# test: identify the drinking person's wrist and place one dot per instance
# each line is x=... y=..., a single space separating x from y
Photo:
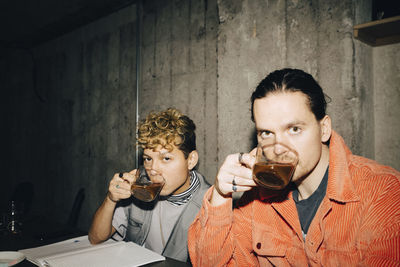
x=110 y=199
x=223 y=195
x=218 y=198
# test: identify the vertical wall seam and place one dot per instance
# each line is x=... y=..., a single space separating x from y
x=153 y=71
x=317 y=11
x=216 y=80
x=357 y=127
x=205 y=89
x=171 y=48
x=374 y=119
x=188 y=59
x=138 y=51
x=286 y=34
x=190 y=35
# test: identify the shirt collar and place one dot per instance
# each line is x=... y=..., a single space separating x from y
x=340 y=184
x=185 y=196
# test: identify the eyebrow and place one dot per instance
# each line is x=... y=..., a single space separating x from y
x=159 y=153
x=287 y=125
x=295 y=123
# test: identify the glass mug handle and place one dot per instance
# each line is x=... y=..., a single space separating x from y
x=143 y=188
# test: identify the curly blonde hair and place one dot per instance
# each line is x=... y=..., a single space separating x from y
x=167 y=128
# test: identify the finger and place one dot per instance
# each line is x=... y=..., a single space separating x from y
x=123 y=186
x=118 y=177
x=120 y=190
x=235 y=166
x=133 y=172
x=249 y=159
x=119 y=184
x=241 y=188
x=226 y=188
x=115 y=195
x=123 y=177
x=240 y=181
x=240 y=160
x=239 y=170
x=129 y=177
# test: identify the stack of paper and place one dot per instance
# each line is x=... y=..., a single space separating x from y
x=79 y=252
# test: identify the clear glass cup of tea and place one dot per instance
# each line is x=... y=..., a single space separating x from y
x=275 y=165
x=146 y=188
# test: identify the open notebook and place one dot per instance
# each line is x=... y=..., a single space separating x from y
x=78 y=252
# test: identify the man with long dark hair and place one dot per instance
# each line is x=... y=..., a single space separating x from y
x=339 y=209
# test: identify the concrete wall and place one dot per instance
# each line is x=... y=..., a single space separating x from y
x=386 y=107
x=179 y=67
x=75 y=124
x=76 y=96
x=257 y=37
x=71 y=103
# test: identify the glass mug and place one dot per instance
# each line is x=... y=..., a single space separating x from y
x=275 y=165
x=146 y=188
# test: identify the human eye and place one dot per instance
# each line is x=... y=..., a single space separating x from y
x=294 y=130
x=166 y=158
x=146 y=159
x=265 y=134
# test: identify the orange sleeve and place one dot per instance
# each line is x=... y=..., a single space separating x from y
x=380 y=233
x=221 y=237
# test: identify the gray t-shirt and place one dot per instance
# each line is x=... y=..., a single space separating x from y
x=168 y=213
x=163 y=220
x=168 y=208
x=120 y=223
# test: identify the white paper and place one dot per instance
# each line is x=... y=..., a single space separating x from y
x=79 y=252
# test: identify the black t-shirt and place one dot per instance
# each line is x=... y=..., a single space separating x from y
x=307 y=208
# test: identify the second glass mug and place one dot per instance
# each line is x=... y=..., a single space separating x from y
x=146 y=188
x=275 y=165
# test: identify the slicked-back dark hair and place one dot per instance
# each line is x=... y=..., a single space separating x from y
x=292 y=80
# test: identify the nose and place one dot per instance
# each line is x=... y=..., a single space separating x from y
x=279 y=149
x=280 y=144
x=154 y=168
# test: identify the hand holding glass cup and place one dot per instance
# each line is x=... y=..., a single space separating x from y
x=146 y=187
x=275 y=165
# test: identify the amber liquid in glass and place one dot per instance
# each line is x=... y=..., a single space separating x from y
x=273 y=175
x=146 y=192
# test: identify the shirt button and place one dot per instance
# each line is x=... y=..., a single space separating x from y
x=258 y=245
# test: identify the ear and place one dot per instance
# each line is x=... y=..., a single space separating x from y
x=193 y=158
x=326 y=128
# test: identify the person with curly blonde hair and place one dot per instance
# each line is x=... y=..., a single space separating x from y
x=168 y=141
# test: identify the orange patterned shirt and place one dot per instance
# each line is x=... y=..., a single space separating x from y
x=357 y=223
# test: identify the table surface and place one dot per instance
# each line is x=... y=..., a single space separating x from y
x=16 y=242
x=39 y=233
x=167 y=263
